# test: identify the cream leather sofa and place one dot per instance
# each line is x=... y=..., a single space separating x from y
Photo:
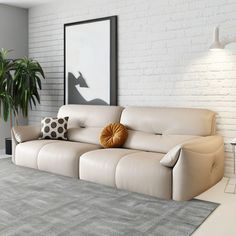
x=170 y=153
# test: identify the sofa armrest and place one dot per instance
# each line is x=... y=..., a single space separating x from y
x=20 y=134
x=200 y=165
x=26 y=133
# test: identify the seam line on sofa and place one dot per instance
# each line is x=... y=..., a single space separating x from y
x=41 y=149
x=120 y=160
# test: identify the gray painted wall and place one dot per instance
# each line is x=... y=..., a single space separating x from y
x=13 y=35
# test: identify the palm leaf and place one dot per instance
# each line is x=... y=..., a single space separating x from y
x=20 y=81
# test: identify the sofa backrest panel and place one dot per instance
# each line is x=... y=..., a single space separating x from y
x=158 y=129
x=154 y=143
x=180 y=121
x=86 y=121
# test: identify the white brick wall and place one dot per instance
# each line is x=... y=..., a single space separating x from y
x=163 y=54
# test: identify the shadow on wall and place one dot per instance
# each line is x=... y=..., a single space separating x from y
x=74 y=96
x=230 y=43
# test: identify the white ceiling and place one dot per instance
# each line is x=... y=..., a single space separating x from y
x=24 y=3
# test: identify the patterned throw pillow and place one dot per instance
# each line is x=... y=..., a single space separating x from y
x=54 y=128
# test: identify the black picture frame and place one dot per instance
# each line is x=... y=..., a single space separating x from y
x=113 y=56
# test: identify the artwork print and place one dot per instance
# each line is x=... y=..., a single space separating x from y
x=90 y=60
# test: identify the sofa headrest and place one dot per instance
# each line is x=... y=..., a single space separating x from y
x=86 y=121
x=84 y=116
x=163 y=121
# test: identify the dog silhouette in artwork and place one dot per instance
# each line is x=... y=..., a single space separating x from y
x=75 y=97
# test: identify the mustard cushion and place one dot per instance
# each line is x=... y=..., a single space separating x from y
x=113 y=135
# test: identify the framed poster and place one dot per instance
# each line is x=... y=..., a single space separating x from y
x=90 y=62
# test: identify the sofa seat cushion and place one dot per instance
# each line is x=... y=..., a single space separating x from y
x=99 y=166
x=132 y=170
x=26 y=153
x=142 y=172
x=62 y=157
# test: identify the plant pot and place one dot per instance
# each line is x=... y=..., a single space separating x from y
x=8 y=146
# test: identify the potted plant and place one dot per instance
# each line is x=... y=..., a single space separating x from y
x=20 y=81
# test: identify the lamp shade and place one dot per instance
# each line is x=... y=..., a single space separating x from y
x=216 y=45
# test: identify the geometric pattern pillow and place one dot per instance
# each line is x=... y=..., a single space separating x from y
x=54 y=128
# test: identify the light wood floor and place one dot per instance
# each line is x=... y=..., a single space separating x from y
x=222 y=222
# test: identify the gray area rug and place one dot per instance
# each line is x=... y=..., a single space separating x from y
x=39 y=203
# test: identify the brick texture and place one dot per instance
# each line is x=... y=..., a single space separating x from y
x=163 y=55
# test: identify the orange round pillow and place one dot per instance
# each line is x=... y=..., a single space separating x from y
x=113 y=135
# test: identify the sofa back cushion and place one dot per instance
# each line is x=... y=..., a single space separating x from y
x=86 y=121
x=159 y=129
